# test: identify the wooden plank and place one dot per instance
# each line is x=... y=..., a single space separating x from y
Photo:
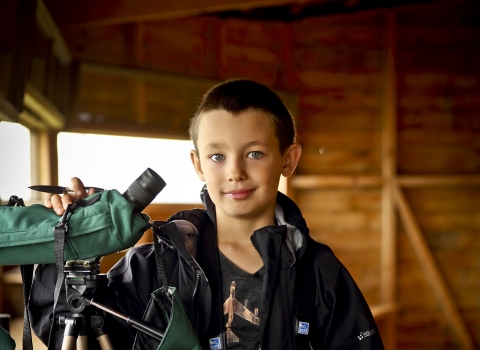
x=312 y=80
x=340 y=199
x=439 y=180
x=439 y=160
x=389 y=171
x=335 y=181
x=431 y=271
x=89 y=13
x=340 y=161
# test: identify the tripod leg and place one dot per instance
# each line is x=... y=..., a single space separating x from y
x=103 y=339
x=82 y=341
x=70 y=335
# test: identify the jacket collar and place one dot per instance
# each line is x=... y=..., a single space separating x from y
x=286 y=213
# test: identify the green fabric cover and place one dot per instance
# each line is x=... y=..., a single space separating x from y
x=179 y=333
x=6 y=342
x=105 y=227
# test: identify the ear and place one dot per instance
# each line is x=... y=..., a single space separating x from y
x=197 y=165
x=292 y=157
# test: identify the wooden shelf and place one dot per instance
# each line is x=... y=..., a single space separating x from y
x=368 y=181
x=382 y=310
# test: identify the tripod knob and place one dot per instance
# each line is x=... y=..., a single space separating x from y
x=76 y=303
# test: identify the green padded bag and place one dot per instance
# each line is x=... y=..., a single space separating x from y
x=6 y=341
x=105 y=223
x=179 y=333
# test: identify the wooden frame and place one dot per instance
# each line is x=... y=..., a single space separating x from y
x=393 y=200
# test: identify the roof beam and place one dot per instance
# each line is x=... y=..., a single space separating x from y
x=92 y=13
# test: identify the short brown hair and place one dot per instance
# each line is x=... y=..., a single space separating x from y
x=239 y=95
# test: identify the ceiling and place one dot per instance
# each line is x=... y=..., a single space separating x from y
x=92 y=13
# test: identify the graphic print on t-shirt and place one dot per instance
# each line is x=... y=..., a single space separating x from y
x=233 y=307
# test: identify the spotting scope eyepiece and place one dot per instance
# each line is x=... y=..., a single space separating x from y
x=144 y=189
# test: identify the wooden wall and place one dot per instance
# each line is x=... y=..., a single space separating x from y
x=439 y=133
x=337 y=69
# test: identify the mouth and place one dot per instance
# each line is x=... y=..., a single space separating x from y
x=239 y=194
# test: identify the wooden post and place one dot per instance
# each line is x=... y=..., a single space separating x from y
x=389 y=171
x=437 y=283
x=45 y=159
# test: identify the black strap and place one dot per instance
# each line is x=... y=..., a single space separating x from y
x=27 y=278
x=160 y=264
x=59 y=234
x=14 y=200
x=305 y=300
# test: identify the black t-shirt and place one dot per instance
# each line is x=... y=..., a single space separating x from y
x=241 y=292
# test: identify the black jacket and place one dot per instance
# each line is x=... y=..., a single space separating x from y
x=338 y=316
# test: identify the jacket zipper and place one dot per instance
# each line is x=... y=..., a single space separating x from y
x=254 y=243
x=192 y=300
x=197 y=275
x=256 y=248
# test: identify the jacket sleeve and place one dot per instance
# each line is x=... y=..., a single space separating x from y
x=343 y=319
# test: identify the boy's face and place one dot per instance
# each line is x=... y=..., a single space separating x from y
x=239 y=159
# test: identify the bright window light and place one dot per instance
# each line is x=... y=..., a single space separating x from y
x=114 y=162
x=15 y=166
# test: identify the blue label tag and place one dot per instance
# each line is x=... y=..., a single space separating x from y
x=303 y=327
x=215 y=344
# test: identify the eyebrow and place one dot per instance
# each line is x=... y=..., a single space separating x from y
x=213 y=145
x=216 y=145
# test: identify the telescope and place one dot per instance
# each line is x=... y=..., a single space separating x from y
x=101 y=224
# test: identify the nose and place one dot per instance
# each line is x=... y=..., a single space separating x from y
x=236 y=171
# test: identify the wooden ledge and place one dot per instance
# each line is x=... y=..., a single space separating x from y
x=383 y=310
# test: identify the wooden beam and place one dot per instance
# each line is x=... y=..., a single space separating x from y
x=382 y=310
x=50 y=31
x=439 y=180
x=335 y=181
x=365 y=181
x=8 y=112
x=388 y=252
x=43 y=108
x=91 y=13
x=142 y=74
x=432 y=273
x=31 y=122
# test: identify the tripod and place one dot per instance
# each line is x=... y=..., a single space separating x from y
x=82 y=280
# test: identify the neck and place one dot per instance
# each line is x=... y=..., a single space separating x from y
x=239 y=230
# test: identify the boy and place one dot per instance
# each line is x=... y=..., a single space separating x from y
x=251 y=278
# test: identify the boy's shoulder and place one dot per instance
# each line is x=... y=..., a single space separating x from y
x=325 y=262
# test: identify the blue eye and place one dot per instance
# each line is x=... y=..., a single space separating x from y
x=217 y=157
x=255 y=154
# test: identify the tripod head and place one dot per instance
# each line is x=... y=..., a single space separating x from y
x=83 y=280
